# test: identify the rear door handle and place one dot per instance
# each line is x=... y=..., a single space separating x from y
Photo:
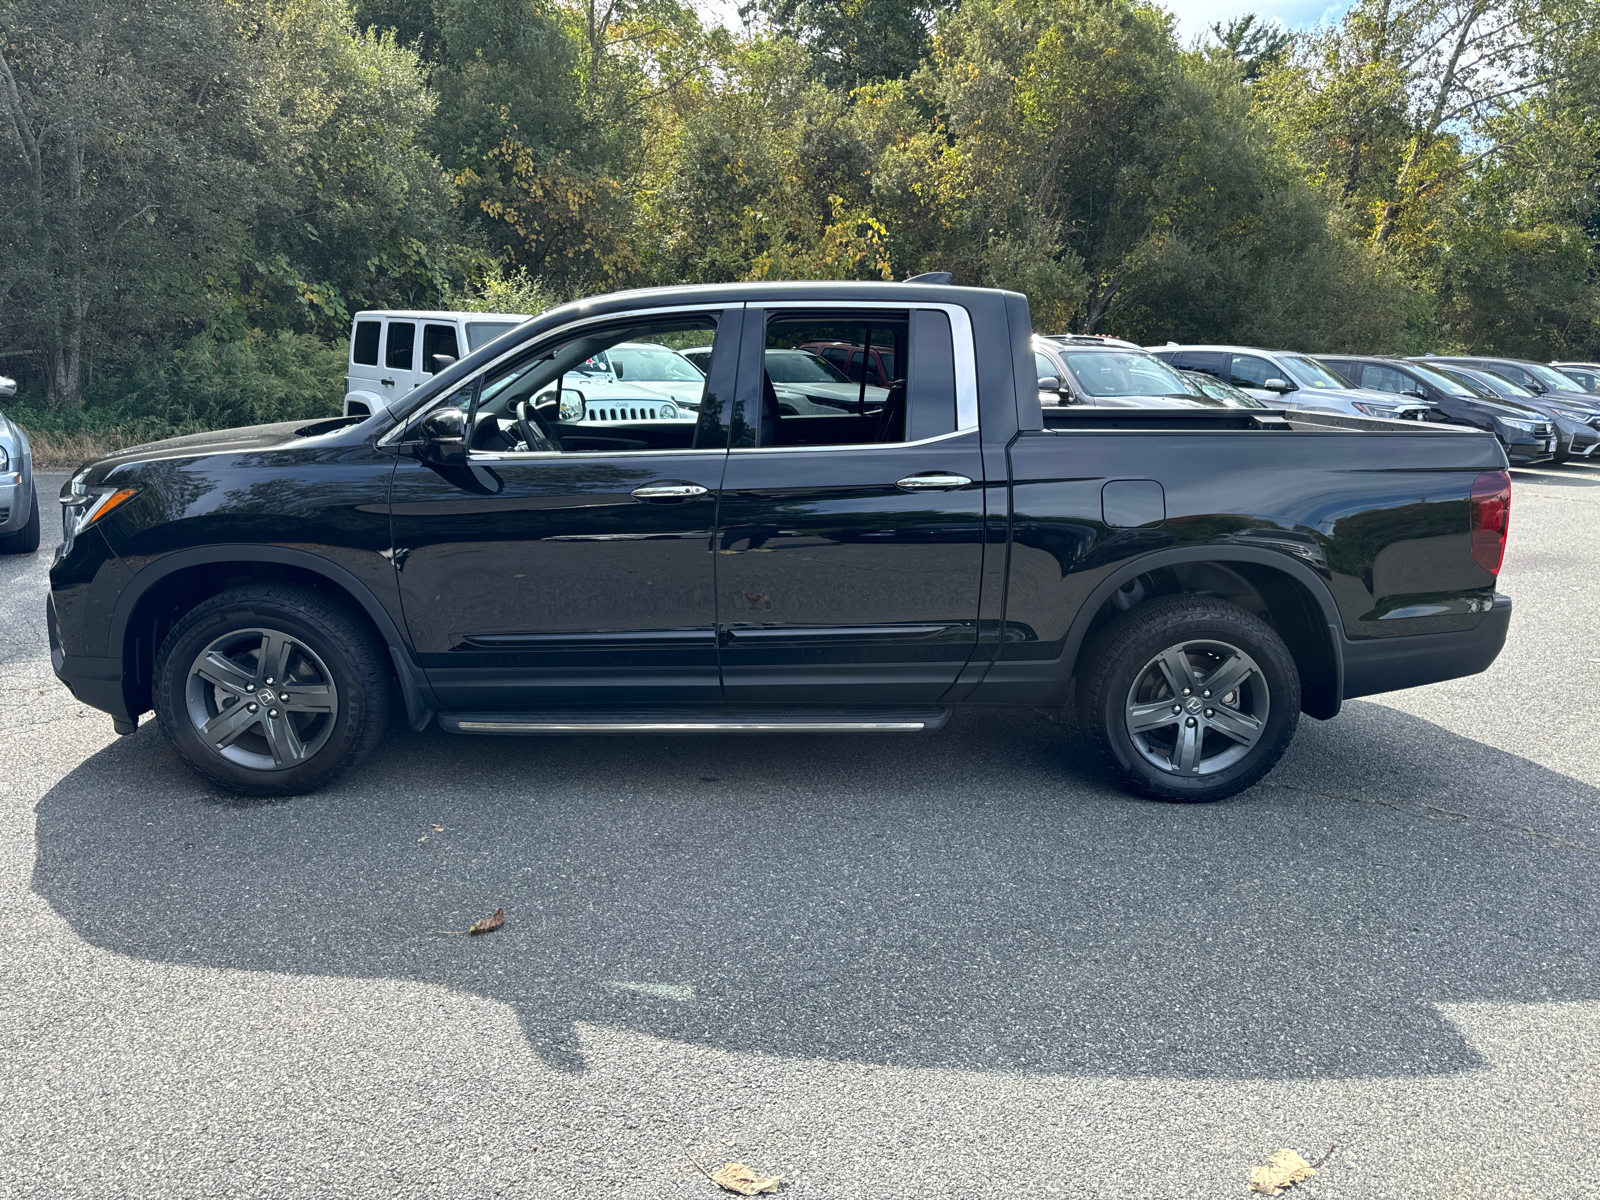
x=667 y=491
x=932 y=481
x=387 y=382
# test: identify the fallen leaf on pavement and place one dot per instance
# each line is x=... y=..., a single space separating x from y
x=738 y=1178
x=488 y=924
x=1283 y=1170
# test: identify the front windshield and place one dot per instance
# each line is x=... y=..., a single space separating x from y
x=1309 y=373
x=1499 y=385
x=1210 y=385
x=1452 y=387
x=1107 y=373
x=1552 y=378
x=481 y=333
x=796 y=366
x=652 y=364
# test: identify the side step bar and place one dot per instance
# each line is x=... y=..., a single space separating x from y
x=700 y=720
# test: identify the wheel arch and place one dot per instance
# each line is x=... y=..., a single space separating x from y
x=1285 y=592
x=160 y=594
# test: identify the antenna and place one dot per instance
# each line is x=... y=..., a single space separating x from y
x=930 y=277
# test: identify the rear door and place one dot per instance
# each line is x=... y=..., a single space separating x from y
x=850 y=547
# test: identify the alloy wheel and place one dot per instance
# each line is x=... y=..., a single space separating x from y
x=262 y=699
x=1197 y=707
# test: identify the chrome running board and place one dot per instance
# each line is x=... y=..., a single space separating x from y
x=700 y=720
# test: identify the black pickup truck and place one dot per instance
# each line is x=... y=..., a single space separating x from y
x=528 y=545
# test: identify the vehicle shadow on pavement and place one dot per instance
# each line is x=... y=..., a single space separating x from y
x=981 y=899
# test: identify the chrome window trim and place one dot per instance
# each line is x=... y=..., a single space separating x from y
x=485 y=456
x=424 y=406
x=941 y=437
x=962 y=343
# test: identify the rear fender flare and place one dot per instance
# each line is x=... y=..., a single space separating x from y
x=1302 y=574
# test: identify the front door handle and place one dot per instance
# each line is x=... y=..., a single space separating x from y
x=667 y=491
x=932 y=481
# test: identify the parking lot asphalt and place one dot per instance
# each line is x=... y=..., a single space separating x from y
x=960 y=965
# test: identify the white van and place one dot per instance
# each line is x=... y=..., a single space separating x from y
x=394 y=350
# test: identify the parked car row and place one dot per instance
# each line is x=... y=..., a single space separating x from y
x=1539 y=412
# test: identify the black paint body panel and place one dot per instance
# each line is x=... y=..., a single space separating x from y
x=800 y=575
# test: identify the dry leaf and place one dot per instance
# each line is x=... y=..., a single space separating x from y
x=1283 y=1170
x=489 y=924
x=738 y=1178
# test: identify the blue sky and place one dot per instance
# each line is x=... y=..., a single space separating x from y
x=1196 y=16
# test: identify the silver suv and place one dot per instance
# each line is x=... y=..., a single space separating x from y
x=1291 y=380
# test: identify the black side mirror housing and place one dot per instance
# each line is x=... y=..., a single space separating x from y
x=441 y=361
x=444 y=436
x=1049 y=383
x=1415 y=393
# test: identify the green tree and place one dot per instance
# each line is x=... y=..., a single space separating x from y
x=358 y=212
x=1257 y=46
x=857 y=42
x=132 y=160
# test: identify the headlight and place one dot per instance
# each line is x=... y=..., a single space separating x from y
x=668 y=411
x=83 y=505
x=1523 y=426
x=1376 y=410
x=5 y=460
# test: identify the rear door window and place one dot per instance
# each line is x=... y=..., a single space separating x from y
x=364 y=346
x=401 y=348
x=1210 y=362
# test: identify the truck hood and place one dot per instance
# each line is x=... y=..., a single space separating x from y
x=250 y=437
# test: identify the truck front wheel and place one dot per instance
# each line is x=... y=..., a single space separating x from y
x=272 y=690
x=1189 y=698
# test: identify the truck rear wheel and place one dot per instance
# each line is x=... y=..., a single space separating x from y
x=1189 y=698
x=272 y=690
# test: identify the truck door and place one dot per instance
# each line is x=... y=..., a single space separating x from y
x=402 y=358
x=565 y=564
x=849 y=541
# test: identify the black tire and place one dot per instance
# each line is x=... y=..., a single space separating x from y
x=26 y=539
x=333 y=659
x=1128 y=682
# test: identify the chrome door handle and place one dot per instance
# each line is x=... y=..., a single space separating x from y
x=932 y=481
x=667 y=491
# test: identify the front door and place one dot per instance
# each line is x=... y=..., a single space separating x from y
x=850 y=544
x=569 y=561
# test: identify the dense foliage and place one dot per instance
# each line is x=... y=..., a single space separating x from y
x=197 y=195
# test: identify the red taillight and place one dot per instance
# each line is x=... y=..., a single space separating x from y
x=1490 y=504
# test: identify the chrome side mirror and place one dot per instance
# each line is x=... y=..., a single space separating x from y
x=1277 y=385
